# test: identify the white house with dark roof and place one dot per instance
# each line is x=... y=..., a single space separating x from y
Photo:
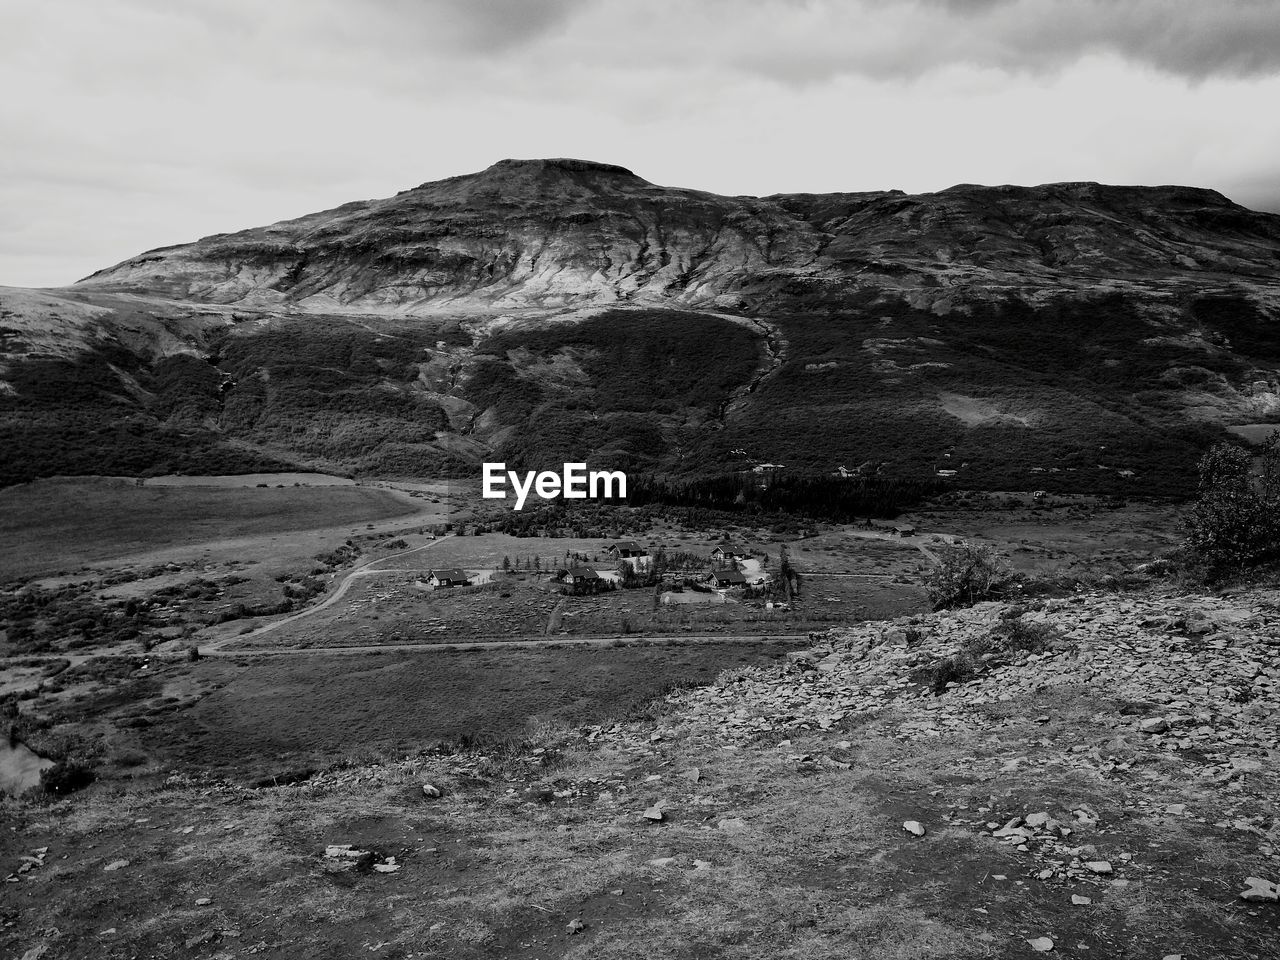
x=453 y=577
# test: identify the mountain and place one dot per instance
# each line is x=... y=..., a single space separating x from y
x=1066 y=336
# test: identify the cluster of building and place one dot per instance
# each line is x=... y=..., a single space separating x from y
x=725 y=572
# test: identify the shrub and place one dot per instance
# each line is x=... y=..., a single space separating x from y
x=66 y=776
x=953 y=669
x=965 y=575
x=1235 y=522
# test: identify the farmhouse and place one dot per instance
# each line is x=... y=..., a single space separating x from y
x=726 y=579
x=627 y=549
x=577 y=575
x=727 y=552
x=448 y=578
x=904 y=530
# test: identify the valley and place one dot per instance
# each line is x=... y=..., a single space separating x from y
x=937 y=622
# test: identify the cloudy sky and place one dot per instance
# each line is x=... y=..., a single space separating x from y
x=129 y=124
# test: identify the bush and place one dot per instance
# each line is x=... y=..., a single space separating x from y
x=1235 y=522
x=954 y=669
x=965 y=575
x=66 y=776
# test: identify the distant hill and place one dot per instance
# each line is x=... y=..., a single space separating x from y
x=1069 y=336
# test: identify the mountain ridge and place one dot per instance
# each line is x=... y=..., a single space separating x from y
x=1073 y=336
x=613 y=236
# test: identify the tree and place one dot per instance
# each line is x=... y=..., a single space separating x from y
x=506 y=564
x=1235 y=522
x=966 y=574
x=785 y=571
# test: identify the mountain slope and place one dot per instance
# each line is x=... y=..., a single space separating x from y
x=568 y=232
x=1069 y=336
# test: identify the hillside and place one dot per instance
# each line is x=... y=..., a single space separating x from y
x=1068 y=336
x=1104 y=787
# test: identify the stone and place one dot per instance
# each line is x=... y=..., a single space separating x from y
x=914 y=827
x=576 y=926
x=654 y=814
x=1100 y=867
x=733 y=825
x=431 y=791
x=1080 y=901
x=115 y=865
x=1041 y=944
x=1154 y=725
x=662 y=861
x=203 y=901
x=1260 y=890
x=342 y=851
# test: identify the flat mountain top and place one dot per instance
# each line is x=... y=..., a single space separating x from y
x=1072 y=336
x=563 y=232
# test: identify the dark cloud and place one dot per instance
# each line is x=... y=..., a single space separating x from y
x=904 y=39
x=442 y=27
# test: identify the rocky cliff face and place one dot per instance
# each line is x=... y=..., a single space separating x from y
x=557 y=233
x=1066 y=336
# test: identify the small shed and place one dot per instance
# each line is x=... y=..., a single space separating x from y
x=904 y=530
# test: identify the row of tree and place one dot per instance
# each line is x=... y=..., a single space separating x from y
x=826 y=497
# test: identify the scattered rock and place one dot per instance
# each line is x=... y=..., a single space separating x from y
x=1100 y=867
x=1080 y=901
x=431 y=791
x=1041 y=944
x=204 y=901
x=115 y=865
x=1154 y=725
x=654 y=814
x=343 y=851
x=1260 y=890
x=914 y=827
x=576 y=926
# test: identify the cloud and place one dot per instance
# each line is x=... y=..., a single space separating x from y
x=140 y=123
x=805 y=42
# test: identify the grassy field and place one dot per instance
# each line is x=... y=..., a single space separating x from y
x=784 y=801
x=1062 y=536
x=56 y=525
x=267 y=716
x=397 y=609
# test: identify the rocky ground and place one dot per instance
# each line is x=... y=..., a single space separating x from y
x=1092 y=777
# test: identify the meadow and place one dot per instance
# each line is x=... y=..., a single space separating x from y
x=59 y=525
x=270 y=715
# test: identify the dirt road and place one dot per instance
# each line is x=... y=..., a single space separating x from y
x=365 y=569
x=538 y=641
